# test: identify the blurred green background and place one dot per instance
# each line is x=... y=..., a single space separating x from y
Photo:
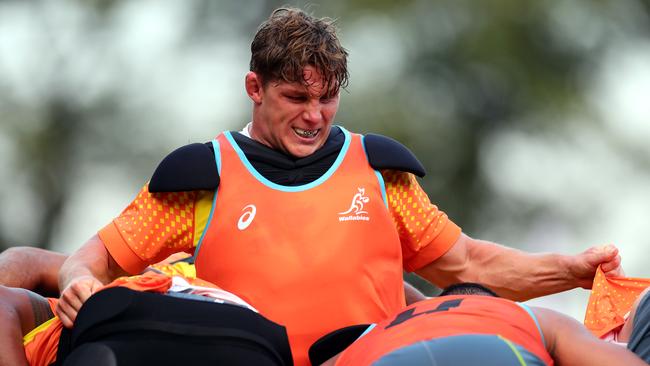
x=532 y=117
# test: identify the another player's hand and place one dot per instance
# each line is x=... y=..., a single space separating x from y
x=584 y=265
x=74 y=296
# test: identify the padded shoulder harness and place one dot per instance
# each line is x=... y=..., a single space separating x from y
x=188 y=168
x=386 y=153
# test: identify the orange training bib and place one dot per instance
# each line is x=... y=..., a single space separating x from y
x=315 y=257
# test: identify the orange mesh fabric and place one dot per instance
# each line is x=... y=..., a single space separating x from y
x=159 y=282
x=426 y=233
x=147 y=282
x=611 y=298
x=156 y=225
x=151 y=228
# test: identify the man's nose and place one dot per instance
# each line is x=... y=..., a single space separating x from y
x=313 y=112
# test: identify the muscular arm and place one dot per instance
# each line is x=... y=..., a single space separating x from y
x=83 y=273
x=440 y=253
x=20 y=312
x=31 y=268
x=571 y=344
x=515 y=274
x=92 y=259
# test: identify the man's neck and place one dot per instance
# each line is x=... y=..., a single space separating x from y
x=284 y=169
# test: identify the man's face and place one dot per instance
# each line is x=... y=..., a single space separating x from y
x=292 y=117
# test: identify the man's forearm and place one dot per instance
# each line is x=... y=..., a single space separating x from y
x=570 y=343
x=14 y=271
x=92 y=259
x=518 y=275
x=84 y=273
x=31 y=268
x=511 y=273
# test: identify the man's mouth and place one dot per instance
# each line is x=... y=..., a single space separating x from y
x=306 y=133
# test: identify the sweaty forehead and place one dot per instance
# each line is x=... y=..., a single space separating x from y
x=311 y=82
x=309 y=86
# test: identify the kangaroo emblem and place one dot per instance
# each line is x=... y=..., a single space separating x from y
x=357 y=203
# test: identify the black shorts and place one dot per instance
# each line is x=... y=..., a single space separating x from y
x=119 y=326
x=640 y=339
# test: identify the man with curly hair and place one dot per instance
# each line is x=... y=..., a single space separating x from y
x=312 y=224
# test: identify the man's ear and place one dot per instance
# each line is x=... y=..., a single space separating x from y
x=254 y=87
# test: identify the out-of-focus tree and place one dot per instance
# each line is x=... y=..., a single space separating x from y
x=472 y=70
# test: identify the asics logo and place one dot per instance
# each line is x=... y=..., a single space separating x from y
x=247 y=217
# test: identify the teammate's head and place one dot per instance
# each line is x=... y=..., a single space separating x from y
x=468 y=288
x=290 y=40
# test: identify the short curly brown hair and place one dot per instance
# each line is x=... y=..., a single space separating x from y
x=292 y=39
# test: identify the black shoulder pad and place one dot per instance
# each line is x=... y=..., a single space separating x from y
x=386 y=153
x=188 y=168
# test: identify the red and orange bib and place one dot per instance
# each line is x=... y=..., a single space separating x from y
x=448 y=316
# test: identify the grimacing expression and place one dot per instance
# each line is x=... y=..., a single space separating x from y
x=294 y=118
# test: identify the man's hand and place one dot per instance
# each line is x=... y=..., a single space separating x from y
x=74 y=296
x=82 y=274
x=584 y=265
